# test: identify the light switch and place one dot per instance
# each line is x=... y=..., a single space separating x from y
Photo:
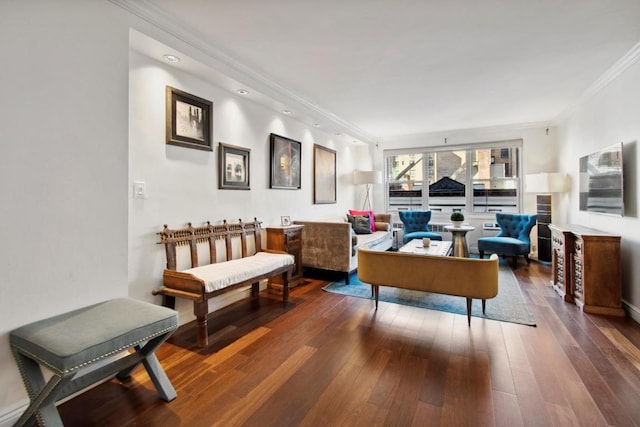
x=139 y=190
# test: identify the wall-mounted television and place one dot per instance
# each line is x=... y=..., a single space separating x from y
x=601 y=183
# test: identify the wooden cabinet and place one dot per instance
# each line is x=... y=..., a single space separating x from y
x=587 y=268
x=561 y=252
x=287 y=238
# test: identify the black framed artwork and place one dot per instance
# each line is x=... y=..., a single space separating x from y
x=285 y=163
x=189 y=120
x=233 y=167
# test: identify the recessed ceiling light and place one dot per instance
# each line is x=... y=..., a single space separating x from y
x=286 y=112
x=243 y=91
x=316 y=125
x=338 y=134
x=171 y=58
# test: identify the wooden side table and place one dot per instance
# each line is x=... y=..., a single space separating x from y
x=286 y=238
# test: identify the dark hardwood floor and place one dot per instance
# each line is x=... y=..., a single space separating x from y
x=331 y=360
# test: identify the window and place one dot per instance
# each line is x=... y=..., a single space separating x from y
x=404 y=181
x=480 y=178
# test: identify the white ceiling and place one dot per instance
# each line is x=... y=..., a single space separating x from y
x=386 y=68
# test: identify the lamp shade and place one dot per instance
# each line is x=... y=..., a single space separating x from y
x=546 y=183
x=367 y=177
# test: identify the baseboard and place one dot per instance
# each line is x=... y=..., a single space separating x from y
x=634 y=312
x=10 y=417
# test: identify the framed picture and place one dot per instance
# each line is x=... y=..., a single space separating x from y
x=324 y=175
x=285 y=163
x=285 y=220
x=233 y=167
x=189 y=120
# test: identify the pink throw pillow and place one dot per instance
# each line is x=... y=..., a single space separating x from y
x=372 y=222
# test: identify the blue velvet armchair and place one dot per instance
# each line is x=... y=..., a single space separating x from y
x=512 y=240
x=416 y=225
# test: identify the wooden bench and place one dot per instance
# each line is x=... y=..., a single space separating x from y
x=220 y=273
x=81 y=348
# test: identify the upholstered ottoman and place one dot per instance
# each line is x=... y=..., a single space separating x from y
x=69 y=343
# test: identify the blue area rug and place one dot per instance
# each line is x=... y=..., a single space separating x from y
x=508 y=306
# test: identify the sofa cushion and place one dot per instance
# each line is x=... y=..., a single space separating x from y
x=372 y=221
x=360 y=224
x=372 y=240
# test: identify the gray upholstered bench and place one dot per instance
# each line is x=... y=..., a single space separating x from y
x=69 y=343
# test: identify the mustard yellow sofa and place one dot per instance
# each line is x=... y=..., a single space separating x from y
x=329 y=244
x=464 y=277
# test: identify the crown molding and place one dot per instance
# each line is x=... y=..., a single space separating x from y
x=454 y=136
x=236 y=70
x=630 y=58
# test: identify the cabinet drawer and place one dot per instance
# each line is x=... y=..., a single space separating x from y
x=293 y=237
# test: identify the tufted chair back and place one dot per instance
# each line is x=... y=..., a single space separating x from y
x=415 y=220
x=517 y=226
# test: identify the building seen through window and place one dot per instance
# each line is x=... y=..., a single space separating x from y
x=478 y=180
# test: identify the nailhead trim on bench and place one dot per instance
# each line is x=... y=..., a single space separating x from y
x=118 y=350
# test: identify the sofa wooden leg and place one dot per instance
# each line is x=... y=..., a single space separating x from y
x=469 y=311
x=484 y=305
x=376 y=292
x=481 y=254
x=346 y=280
x=514 y=262
x=526 y=257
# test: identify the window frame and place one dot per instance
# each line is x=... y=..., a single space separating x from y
x=469 y=195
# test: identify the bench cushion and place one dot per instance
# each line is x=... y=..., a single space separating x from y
x=73 y=340
x=220 y=275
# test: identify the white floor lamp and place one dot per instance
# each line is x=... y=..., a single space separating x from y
x=367 y=178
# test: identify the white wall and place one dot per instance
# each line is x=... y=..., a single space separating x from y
x=609 y=117
x=63 y=165
x=182 y=183
x=73 y=233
